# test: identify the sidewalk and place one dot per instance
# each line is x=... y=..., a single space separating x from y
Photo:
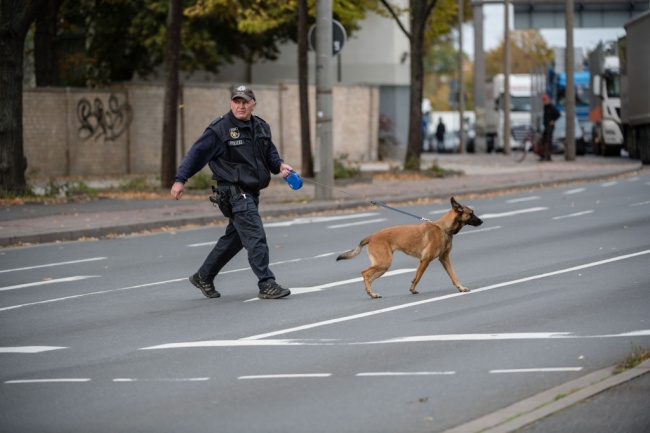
x=477 y=174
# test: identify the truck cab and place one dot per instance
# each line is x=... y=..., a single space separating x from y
x=605 y=103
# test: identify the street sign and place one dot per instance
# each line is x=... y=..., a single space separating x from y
x=338 y=37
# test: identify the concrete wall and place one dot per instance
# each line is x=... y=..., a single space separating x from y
x=82 y=132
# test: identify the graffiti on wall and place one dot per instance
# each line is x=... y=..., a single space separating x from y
x=97 y=121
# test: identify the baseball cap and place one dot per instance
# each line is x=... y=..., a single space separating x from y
x=242 y=92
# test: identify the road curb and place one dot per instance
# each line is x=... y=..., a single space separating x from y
x=278 y=210
x=520 y=414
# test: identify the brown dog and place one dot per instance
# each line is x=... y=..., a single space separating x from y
x=425 y=241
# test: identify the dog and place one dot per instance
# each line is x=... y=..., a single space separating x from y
x=426 y=241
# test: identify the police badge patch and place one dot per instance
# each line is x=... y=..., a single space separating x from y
x=234 y=132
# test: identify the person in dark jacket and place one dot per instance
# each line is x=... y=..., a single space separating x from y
x=241 y=154
x=551 y=114
x=440 y=135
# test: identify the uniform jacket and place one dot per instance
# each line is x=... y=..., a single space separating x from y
x=238 y=152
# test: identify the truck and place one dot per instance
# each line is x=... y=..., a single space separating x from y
x=634 y=59
x=520 y=107
x=605 y=101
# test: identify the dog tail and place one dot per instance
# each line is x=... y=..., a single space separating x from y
x=353 y=253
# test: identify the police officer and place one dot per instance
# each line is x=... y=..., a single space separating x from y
x=239 y=150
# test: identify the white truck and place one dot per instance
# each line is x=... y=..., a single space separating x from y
x=520 y=107
x=605 y=102
x=635 y=86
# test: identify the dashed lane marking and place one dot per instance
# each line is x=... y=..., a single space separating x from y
x=73 y=262
x=29 y=349
x=45 y=282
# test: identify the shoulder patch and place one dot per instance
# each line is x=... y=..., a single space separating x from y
x=215 y=121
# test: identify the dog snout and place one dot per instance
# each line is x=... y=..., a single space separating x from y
x=476 y=221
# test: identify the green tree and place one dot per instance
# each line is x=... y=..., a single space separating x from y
x=528 y=49
x=429 y=20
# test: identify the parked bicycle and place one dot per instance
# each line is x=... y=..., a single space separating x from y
x=524 y=143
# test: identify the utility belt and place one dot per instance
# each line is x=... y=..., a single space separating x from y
x=221 y=195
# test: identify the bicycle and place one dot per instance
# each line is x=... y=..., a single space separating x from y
x=524 y=143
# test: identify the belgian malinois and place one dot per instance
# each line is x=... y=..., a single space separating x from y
x=426 y=241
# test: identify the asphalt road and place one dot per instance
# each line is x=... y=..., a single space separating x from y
x=109 y=336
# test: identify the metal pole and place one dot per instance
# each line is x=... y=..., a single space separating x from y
x=324 y=166
x=479 y=79
x=461 y=93
x=506 y=80
x=570 y=140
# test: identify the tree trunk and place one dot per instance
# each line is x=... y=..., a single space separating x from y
x=45 y=46
x=170 y=117
x=15 y=19
x=307 y=161
x=419 y=14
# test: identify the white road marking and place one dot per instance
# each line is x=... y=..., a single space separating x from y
x=437 y=212
x=536 y=370
x=417 y=339
x=574 y=191
x=302 y=290
x=228 y=343
x=29 y=349
x=91 y=294
x=69 y=380
x=522 y=199
x=176 y=280
x=284 y=376
x=338 y=226
x=473 y=337
x=608 y=184
x=442 y=298
x=320 y=219
x=472 y=231
x=512 y=213
x=29 y=268
x=169 y=379
x=643 y=203
x=572 y=215
x=45 y=282
x=404 y=373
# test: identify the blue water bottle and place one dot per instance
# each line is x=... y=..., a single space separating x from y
x=294 y=180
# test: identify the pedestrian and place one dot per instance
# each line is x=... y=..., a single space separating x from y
x=241 y=154
x=551 y=114
x=440 y=135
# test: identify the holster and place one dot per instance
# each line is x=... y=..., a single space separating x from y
x=222 y=201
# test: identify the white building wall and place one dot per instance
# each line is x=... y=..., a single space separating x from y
x=377 y=53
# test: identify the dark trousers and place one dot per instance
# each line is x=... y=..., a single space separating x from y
x=547 y=142
x=244 y=230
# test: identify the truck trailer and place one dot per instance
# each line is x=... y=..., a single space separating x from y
x=635 y=86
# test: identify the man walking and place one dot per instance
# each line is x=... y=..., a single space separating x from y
x=239 y=150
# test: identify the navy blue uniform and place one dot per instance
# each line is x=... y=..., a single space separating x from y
x=242 y=156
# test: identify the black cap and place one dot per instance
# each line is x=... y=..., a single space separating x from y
x=242 y=92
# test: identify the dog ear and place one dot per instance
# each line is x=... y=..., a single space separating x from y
x=456 y=206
